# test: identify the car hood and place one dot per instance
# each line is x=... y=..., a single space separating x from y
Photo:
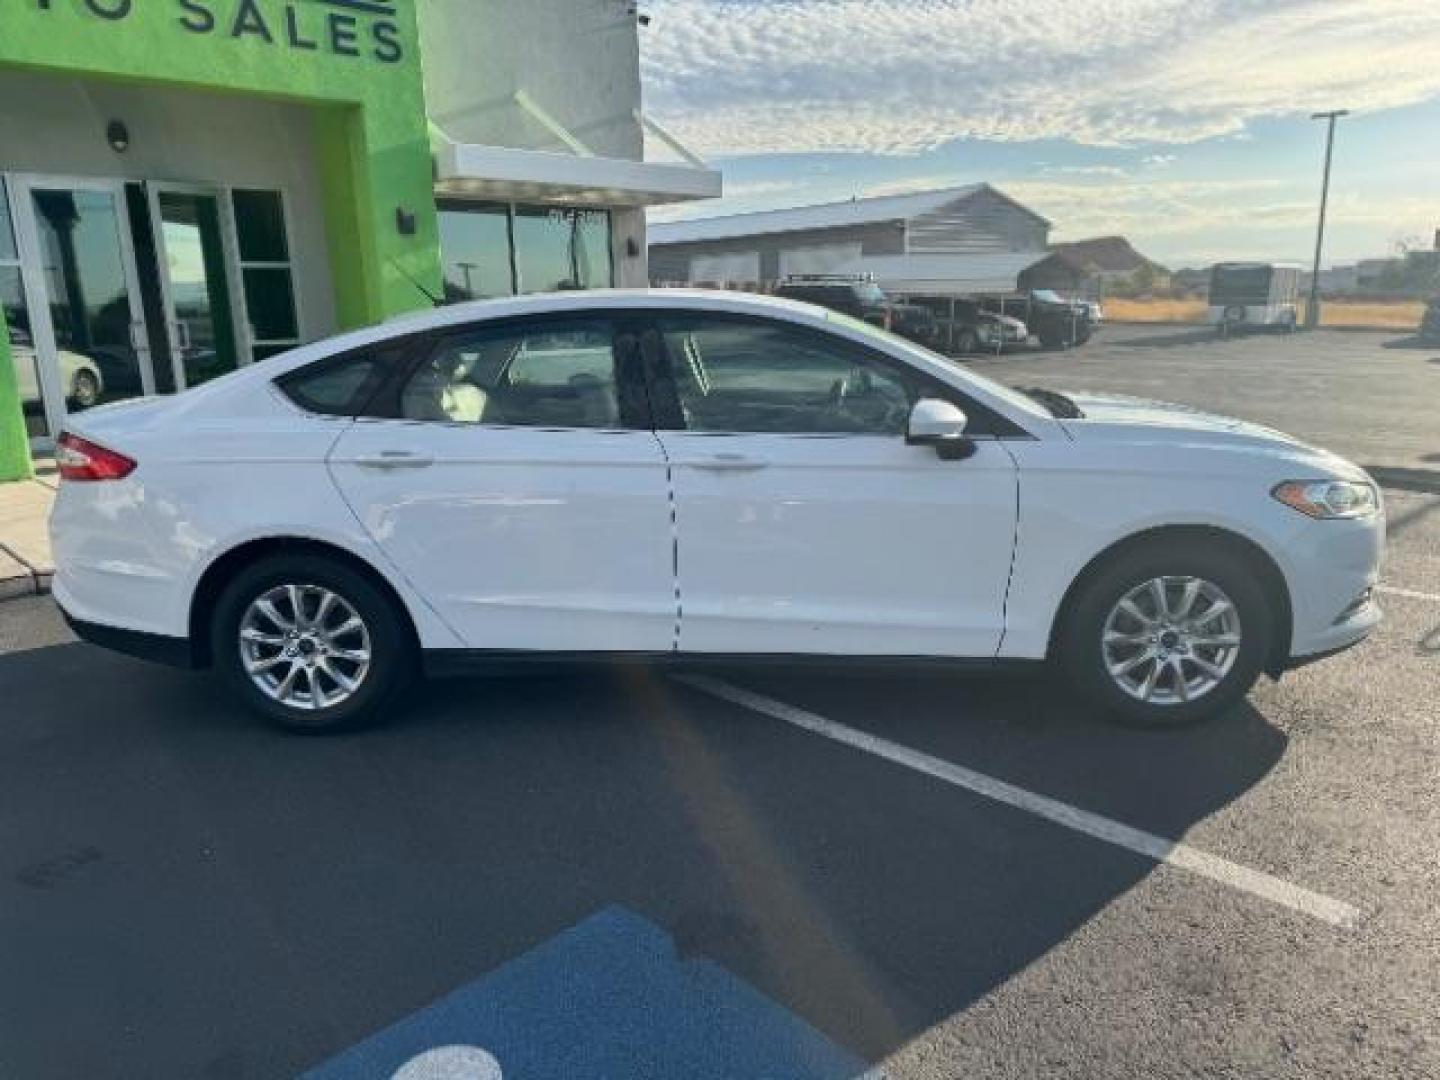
x=1118 y=418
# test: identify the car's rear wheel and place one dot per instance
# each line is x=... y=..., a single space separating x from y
x=1165 y=635
x=311 y=644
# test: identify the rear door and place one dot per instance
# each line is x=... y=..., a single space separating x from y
x=805 y=523
x=514 y=479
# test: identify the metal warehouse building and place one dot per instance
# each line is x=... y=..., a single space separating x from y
x=951 y=242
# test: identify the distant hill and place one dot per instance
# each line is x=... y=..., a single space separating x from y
x=1107 y=256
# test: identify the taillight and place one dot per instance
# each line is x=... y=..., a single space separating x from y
x=81 y=459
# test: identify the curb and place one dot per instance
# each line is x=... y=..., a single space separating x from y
x=30 y=582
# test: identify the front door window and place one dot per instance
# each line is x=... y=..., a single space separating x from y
x=762 y=377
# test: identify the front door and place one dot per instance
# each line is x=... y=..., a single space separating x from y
x=804 y=522
x=514 y=480
x=195 y=253
x=87 y=328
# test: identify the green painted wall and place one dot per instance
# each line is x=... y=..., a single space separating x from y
x=360 y=69
x=14 y=443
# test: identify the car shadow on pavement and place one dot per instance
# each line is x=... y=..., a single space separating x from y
x=258 y=902
x=1409 y=341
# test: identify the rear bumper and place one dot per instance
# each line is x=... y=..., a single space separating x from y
x=157 y=648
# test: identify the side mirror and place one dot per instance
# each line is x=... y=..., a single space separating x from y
x=942 y=425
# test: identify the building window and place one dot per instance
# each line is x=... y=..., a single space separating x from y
x=559 y=249
x=496 y=249
x=475 y=246
x=266 y=274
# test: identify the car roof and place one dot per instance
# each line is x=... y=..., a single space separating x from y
x=597 y=301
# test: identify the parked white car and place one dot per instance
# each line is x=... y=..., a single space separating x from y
x=79 y=375
x=685 y=476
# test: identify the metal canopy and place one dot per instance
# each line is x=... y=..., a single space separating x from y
x=477 y=171
x=946 y=275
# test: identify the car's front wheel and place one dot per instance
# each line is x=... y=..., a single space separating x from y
x=85 y=390
x=1165 y=635
x=311 y=644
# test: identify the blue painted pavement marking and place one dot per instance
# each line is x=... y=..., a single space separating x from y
x=607 y=998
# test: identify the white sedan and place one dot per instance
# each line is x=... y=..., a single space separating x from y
x=686 y=476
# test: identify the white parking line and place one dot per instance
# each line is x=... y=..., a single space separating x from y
x=1413 y=594
x=1314 y=904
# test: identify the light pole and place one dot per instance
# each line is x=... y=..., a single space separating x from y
x=1312 y=312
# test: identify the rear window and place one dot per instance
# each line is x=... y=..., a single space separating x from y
x=337 y=386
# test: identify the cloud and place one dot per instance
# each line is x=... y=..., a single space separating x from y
x=900 y=76
x=1174 y=214
x=1085 y=170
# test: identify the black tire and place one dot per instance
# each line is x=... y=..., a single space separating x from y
x=84 y=389
x=393 y=661
x=1079 y=648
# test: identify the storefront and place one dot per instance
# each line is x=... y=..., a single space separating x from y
x=187 y=186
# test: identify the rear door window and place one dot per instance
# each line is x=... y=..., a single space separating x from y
x=529 y=375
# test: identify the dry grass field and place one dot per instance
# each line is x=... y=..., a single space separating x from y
x=1382 y=315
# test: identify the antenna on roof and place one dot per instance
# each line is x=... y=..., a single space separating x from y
x=434 y=300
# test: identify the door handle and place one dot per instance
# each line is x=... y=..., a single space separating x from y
x=395 y=459
x=728 y=463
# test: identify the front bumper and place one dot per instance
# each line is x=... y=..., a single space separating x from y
x=1333 y=568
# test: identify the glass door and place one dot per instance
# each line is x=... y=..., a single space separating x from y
x=16 y=306
x=87 y=326
x=195 y=254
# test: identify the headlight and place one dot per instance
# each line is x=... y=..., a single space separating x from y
x=1329 y=498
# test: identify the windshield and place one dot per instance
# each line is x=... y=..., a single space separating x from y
x=1049 y=296
x=870 y=293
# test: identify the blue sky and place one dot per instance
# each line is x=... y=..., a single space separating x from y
x=1182 y=124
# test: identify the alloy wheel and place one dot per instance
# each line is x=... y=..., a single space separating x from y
x=1171 y=640
x=304 y=646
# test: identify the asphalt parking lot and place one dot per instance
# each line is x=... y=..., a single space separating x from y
x=772 y=873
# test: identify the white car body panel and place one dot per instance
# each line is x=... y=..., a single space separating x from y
x=523 y=538
x=788 y=544
x=528 y=539
x=1212 y=471
x=134 y=550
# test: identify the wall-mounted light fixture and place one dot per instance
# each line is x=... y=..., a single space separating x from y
x=632 y=247
x=404 y=221
x=118 y=136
